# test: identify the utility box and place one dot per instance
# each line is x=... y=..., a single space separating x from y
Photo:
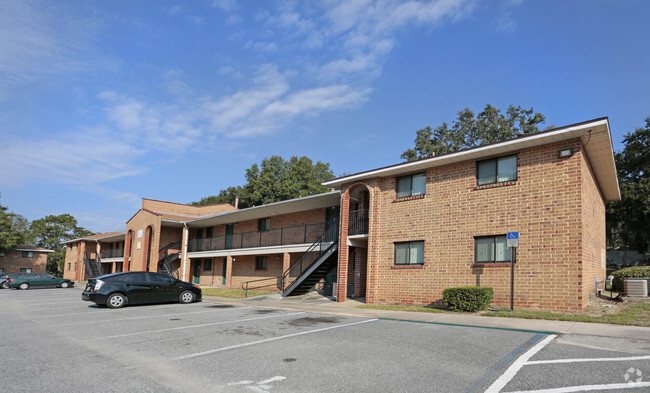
x=636 y=286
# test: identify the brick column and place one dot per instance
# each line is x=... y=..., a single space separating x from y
x=286 y=263
x=228 y=270
x=126 y=266
x=342 y=270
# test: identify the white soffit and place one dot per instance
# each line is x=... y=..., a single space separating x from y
x=597 y=144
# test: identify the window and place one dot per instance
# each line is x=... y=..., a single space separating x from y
x=409 y=253
x=28 y=254
x=264 y=224
x=199 y=233
x=160 y=278
x=2 y=272
x=207 y=264
x=497 y=170
x=491 y=249
x=412 y=185
x=210 y=232
x=25 y=270
x=261 y=263
x=69 y=265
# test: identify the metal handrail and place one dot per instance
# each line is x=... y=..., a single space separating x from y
x=113 y=253
x=89 y=265
x=166 y=259
x=358 y=223
x=298 y=234
x=246 y=285
x=311 y=256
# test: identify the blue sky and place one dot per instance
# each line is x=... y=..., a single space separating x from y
x=103 y=103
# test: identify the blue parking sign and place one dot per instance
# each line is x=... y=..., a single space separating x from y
x=512 y=239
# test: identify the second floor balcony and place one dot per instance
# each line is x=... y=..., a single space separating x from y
x=112 y=253
x=300 y=234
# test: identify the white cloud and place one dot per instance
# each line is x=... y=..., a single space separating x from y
x=91 y=156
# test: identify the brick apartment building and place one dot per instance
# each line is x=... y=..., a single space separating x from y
x=399 y=234
x=25 y=258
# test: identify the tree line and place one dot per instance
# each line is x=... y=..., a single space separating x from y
x=48 y=232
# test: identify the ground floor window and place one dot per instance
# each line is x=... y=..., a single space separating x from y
x=25 y=270
x=409 y=253
x=491 y=249
x=261 y=263
x=207 y=264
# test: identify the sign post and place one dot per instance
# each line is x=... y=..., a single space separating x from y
x=512 y=243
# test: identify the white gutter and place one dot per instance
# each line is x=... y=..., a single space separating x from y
x=185 y=236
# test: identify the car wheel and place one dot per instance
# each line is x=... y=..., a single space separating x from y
x=4 y=285
x=65 y=285
x=116 y=300
x=23 y=285
x=186 y=297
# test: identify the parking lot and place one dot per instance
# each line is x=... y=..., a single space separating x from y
x=53 y=341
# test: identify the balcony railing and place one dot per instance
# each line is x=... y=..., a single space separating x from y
x=358 y=224
x=300 y=234
x=113 y=253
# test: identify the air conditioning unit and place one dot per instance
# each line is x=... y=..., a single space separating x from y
x=637 y=287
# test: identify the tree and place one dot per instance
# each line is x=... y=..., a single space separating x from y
x=628 y=220
x=50 y=232
x=13 y=230
x=469 y=130
x=274 y=180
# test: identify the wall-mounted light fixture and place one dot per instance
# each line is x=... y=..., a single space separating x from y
x=564 y=153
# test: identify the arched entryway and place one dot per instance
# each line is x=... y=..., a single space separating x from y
x=352 y=275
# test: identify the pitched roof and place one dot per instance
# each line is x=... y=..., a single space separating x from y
x=596 y=140
x=29 y=247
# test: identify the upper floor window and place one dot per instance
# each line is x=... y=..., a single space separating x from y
x=28 y=254
x=491 y=249
x=409 y=253
x=411 y=185
x=496 y=170
x=264 y=224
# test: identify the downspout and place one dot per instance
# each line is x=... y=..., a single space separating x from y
x=184 y=238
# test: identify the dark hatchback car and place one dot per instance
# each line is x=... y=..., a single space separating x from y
x=119 y=289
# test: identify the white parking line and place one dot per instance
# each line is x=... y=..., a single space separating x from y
x=587 y=388
x=192 y=326
x=514 y=368
x=588 y=360
x=269 y=340
x=94 y=321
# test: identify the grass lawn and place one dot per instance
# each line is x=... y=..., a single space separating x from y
x=628 y=313
x=232 y=293
x=637 y=314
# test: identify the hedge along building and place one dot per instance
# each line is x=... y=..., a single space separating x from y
x=441 y=222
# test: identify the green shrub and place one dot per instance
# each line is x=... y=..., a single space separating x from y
x=468 y=299
x=622 y=274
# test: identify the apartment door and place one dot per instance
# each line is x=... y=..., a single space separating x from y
x=196 y=273
x=230 y=229
x=225 y=266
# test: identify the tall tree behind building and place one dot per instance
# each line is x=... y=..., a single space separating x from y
x=470 y=130
x=628 y=220
x=275 y=180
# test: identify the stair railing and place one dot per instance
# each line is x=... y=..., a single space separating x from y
x=166 y=260
x=93 y=267
x=311 y=256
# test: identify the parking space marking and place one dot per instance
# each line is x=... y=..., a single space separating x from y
x=150 y=316
x=193 y=326
x=587 y=388
x=514 y=368
x=193 y=355
x=587 y=360
x=96 y=309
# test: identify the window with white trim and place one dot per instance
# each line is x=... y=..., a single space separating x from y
x=412 y=185
x=491 y=249
x=496 y=170
x=409 y=253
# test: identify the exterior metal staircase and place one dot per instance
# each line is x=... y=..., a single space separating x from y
x=313 y=265
x=93 y=266
x=166 y=260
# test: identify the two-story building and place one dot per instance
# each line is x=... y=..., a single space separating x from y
x=25 y=258
x=403 y=233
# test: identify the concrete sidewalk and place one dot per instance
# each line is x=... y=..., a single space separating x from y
x=324 y=305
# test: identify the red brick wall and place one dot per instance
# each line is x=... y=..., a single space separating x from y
x=189 y=210
x=14 y=261
x=545 y=205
